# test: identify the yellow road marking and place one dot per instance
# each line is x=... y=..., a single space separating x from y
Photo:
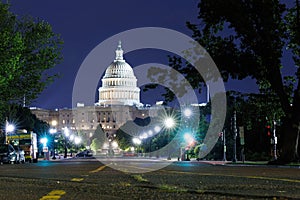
x=211 y=174
x=238 y=176
x=99 y=169
x=77 y=179
x=54 y=194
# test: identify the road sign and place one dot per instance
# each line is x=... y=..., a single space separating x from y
x=45 y=149
x=242 y=137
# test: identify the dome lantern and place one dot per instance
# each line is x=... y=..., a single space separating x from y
x=119 y=52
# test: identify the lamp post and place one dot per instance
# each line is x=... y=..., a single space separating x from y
x=44 y=141
x=53 y=131
x=8 y=129
x=137 y=142
x=234 y=137
x=169 y=123
x=67 y=134
x=187 y=112
x=224 y=146
x=189 y=139
x=275 y=141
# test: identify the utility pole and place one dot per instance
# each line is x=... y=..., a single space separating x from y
x=234 y=137
x=224 y=146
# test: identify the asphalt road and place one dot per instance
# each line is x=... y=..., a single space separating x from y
x=139 y=179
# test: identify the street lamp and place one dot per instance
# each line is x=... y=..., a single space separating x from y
x=234 y=137
x=54 y=123
x=77 y=140
x=157 y=129
x=137 y=142
x=187 y=112
x=169 y=123
x=189 y=139
x=67 y=134
x=53 y=131
x=44 y=141
x=8 y=129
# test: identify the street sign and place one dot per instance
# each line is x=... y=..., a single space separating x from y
x=45 y=149
x=242 y=137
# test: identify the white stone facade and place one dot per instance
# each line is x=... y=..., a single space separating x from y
x=119 y=84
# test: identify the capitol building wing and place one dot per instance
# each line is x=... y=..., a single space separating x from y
x=119 y=102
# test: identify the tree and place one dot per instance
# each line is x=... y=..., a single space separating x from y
x=257 y=32
x=98 y=139
x=96 y=144
x=28 y=47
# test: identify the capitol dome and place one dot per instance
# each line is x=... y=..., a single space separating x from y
x=119 y=84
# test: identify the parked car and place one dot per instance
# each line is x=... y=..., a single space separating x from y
x=8 y=154
x=85 y=153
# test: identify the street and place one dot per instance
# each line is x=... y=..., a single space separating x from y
x=91 y=179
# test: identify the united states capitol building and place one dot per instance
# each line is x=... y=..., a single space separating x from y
x=119 y=102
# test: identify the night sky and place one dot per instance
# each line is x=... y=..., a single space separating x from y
x=85 y=24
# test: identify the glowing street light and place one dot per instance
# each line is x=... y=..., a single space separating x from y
x=9 y=128
x=136 y=141
x=169 y=122
x=71 y=137
x=54 y=123
x=77 y=140
x=188 y=138
x=44 y=141
x=66 y=132
x=150 y=133
x=187 y=112
x=114 y=144
x=53 y=130
x=157 y=129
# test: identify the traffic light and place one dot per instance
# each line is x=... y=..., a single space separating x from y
x=268 y=127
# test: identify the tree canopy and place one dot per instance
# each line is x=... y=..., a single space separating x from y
x=249 y=39
x=28 y=48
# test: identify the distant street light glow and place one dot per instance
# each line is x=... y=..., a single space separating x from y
x=187 y=112
x=157 y=129
x=67 y=132
x=114 y=144
x=54 y=123
x=136 y=141
x=72 y=137
x=53 y=130
x=150 y=133
x=77 y=140
x=188 y=137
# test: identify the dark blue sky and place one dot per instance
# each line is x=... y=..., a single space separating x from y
x=85 y=24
